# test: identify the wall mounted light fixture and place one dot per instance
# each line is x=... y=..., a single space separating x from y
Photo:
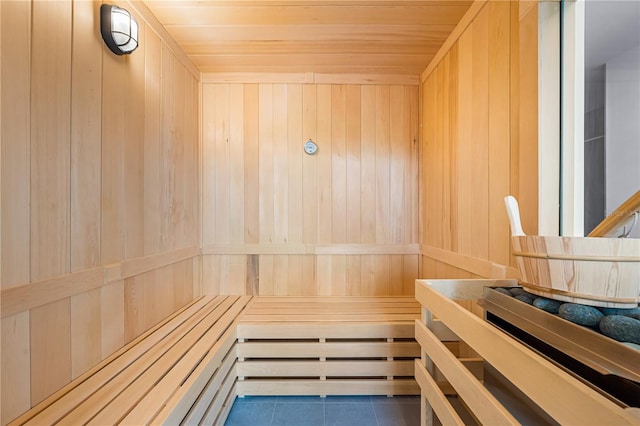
x=119 y=29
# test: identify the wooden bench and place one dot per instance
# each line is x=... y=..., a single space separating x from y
x=182 y=370
x=328 y=346
x=190 y=368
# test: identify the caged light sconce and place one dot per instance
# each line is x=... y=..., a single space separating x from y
x=119 y=29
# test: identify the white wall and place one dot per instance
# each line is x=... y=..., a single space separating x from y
x=622 y=129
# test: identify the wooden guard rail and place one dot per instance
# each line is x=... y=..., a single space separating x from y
x=541 y=391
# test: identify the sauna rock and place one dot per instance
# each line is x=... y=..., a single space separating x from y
x=621 y=328
x=548 y=305
x=580 y=314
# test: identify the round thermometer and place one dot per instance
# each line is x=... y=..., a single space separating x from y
x=310 y=147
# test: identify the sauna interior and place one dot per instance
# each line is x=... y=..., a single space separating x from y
x=134 y=185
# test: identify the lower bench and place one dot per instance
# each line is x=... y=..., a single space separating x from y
x=190 y=368
x=181 y=371
x=328 y=346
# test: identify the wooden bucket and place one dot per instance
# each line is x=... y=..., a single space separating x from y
x=592 y=271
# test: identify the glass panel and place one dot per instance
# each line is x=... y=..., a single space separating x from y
x=611 y=107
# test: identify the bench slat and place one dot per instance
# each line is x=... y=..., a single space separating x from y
x=121 y=401
x=328 y=350
x=215 y=342
x=55 y=407
x=327 y=330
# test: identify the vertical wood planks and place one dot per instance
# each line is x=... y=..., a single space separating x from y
x=50 y=139
x=16 y=367
x=152 y=166
x=499 y=130
x=82 y=169
x=341 y=195
x=16 y=135
x=86 y=331
x=50 y=343
x=472 y=104
x=86 y=128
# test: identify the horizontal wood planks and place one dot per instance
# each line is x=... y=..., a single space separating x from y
x=261 y=190
x=100 y=193
x=157 y=377
x=474 y=147
x=306 y=36
x=327 y=346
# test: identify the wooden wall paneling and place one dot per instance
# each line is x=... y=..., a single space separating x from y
x=168 y=146
x=237 y=273
x=381 y=271
x=354 y=275
x=113 y=147
x=309 y=278
x=382 y=182
x=50 y=342
x=382 y=162
x=464 y=143
x=236 y=163
x=280 y=275
x=310 y=168
x=499 y=129
x=339 y=275
x=280 y=169
x=452 y=165
x=280 y=186
x=134 y=304
x=113 y=327
x=325 y=172
x=50 y=139
x=221 y=165
x=338 y=165
x=15 y=135
x=396 y=274
x=445 y=153
x=134 y=153
x=265 y=279
x=367 y=284
x=353 y=164
x=158 y=296
x=192 y=112
x=178 y=205
x=399 y=191
x=265 y=155
x=368 y=166
x=324 y=275
x=295 y=154
x=86 y=129
x=295 y=285
x=251 y=164
x=152 y=165
x=210 y=275
x=208 y=208
x=412 y=98
x=86 y=331
x=436 y=197
x=16 y=364
x=410 y=274
x=480 y=126
x=527 y=168
x=514 y=110
x=428 y=181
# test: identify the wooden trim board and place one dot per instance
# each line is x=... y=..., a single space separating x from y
x=28 y=296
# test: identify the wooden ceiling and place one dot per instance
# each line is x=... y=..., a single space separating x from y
x=322 y=36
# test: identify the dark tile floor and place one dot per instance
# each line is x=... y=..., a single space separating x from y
x=329 y=411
